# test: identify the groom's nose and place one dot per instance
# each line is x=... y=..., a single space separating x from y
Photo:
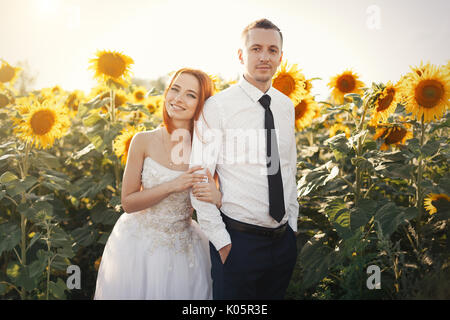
x=264 y=56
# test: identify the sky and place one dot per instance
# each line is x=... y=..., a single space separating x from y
x=377 y=39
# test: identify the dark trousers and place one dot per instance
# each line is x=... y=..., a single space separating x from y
x=257 y=267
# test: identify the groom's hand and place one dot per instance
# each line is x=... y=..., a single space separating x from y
x=224 y=252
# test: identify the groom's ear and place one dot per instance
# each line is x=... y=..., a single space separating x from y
x=241 y=58
x=281 y=57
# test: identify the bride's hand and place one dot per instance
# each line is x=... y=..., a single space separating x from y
x=208 y=192
x=186 y=180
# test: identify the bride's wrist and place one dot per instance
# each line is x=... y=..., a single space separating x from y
x=170 y=187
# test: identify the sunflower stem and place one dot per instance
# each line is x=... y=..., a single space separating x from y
x=359 y=172
x=23 y=221
x=419 y=196
x=113 y=120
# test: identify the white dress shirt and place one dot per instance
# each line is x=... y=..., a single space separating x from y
x=230 y=139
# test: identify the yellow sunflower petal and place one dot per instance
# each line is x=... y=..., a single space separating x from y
x=290 y=81
x=346 y=82
x=427 y=92
x=112 y=65
x=122 y=143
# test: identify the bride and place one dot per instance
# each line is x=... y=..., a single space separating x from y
x=156 y=251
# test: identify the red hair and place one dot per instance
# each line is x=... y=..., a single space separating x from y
x=206 y=90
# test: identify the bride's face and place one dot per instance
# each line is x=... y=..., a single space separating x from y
x=182 y=97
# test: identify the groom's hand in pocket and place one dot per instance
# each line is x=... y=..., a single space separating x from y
x=224 y=252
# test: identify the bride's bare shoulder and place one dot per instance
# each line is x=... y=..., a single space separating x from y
x=150 y=134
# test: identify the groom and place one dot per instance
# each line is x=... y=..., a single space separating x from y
x=252 y=241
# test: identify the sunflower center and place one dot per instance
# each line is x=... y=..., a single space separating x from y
x=151 y=108
x=395 y=135
x=300 y=109
x=385 y=102
x=139 y=95
x=285 y=84
x=6 y=73
x=3 y=100
x=346 y=83
x=428 y=93
x=42 y=121
x=111 y=65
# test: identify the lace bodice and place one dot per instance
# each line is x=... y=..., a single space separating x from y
x=177 y=206
x=168 y=223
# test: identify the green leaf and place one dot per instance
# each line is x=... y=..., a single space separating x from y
x=29 y=182
x=15 y=187
x=339 y=215
x=84 y=151
x=20 y=276
x=8 y=156
x=37 y=267
x=339 y=143
x=316 y=178
x=92 y=119
x=84 y=236
x=46 y=159
x=315 y=259
x=430 y=148
x=8 y=177
x=361 y=215
x=106 y=217
x=57 y=289
x=356 y=98
x=388 y=218
x=10 y=235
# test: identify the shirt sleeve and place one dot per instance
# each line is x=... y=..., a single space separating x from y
x=206 y=147
x=293 y=205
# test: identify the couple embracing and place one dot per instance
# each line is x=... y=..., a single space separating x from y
x=244 y=244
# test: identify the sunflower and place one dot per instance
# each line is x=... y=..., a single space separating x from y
x=386 y=104
x=122 y=143
x=4 y=100
x=305 y=111
x=290 y=81
x=139 y=94
x=135 y=117
x=346 y=82
x=41 y=123
x=338 y=128
x=154 y=104
x=111 y=66
x=393 y=134
x=120 y=99
x=435 y=202
x=97 y=263
x=8 y=73
x=427 y=92
x=49 y=93
x=74 y=99
x=98 y=90
x=216 y=83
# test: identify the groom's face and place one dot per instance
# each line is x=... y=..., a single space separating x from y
x=261 y=54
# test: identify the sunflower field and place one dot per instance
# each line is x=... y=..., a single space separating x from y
x=373 y=180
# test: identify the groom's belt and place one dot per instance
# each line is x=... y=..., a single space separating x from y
x=254 y=229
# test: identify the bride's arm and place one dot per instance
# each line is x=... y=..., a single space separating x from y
x=133 y=198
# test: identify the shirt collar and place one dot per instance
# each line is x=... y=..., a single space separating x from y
x=253 y=92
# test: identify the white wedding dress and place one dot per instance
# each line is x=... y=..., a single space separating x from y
x=157 y=253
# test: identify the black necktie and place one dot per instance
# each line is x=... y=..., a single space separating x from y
x=276 y=196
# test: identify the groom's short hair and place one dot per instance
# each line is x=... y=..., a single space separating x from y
x=262 y=24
